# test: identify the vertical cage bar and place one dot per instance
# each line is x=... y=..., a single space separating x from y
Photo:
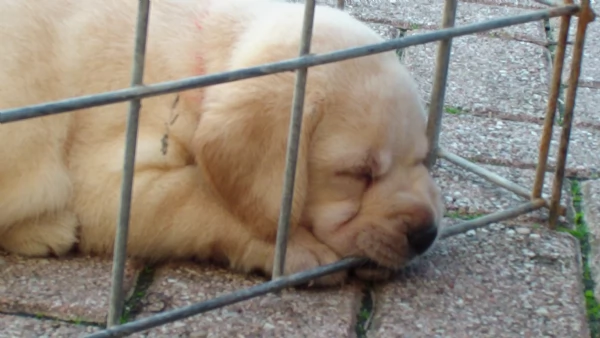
x=283 y=225
x=586 y=15
x=340 y=4
x=436 y=108
x=559 y=60
x=120 y=247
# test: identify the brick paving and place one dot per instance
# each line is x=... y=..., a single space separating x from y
x=467 y=289
x=591 y=205
x=73 y=289
x=32 y=327
x=294 y=313
x=514 y=279
x=467 y=193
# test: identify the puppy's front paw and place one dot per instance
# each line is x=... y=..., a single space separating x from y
x=306 y=252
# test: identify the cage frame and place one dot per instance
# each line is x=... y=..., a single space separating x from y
x=138 y=91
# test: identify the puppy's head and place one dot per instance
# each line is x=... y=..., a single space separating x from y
x=369 y=191
x=361 y=185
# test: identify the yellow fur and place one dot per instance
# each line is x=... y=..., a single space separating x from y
x=214 y=191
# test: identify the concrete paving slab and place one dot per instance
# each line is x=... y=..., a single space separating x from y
x=75 y=289
x=410 y=14
x=24 y=327
x=468 y=194
x=486 y=73
x=587 y=108
x=295 y=313
x=525 y=4
x=591 y=205
x=590 y=68
x=511 y=143
x=495 y=282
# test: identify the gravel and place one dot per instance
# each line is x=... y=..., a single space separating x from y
x=494 y=283
x=591 y=205
x=467 y=193
x=23 y=327
x=293 y=313
x=75 y=289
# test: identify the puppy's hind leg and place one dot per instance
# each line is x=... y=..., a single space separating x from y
x=53 y=233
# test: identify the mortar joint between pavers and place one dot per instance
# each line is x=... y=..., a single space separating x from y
x=560 y=107
x=581 y=232
x=366 y=312
x=133 y=305
x=40 y=316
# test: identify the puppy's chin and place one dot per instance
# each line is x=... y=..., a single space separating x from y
x=389 y=244
x=385 y=249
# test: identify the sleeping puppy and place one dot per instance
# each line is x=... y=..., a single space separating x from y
x=210 y=162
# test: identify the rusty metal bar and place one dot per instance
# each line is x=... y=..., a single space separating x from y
x=436 y=108
x=585 y=17
x=551 y=106
x=499 y=216
x=120 y=246
x=122 y=95
x=293 y=144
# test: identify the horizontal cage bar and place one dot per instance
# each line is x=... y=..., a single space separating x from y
x=139 y=91
x=62 y=106
x=295 y=279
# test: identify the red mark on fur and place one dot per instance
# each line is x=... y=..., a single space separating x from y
x=199 y=68
x=201 y=15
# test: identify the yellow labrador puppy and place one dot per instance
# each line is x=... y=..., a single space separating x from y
x=210 y=162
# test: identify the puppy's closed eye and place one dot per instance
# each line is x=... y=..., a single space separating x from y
x=363 y=174
x=420 y=161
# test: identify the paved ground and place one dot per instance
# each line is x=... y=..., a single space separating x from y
x=514 y=279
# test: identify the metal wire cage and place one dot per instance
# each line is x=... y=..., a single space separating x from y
x=138 y=91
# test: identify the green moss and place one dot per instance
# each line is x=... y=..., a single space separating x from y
x=400 y=34
x=133 y=304
x=461 y=216
x=454 y=110
x=414 y=26
x=365 y=313
x=581 y=232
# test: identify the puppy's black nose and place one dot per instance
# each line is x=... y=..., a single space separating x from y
x=421 y=241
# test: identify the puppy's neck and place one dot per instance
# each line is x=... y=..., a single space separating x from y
x=199 y=36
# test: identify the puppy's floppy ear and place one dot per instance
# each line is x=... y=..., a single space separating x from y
x=240 y=144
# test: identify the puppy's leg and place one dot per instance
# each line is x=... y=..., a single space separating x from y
x=303 y=252
x=175 y=215
x=35 y=184
x=304 y=240
x=51 y=233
